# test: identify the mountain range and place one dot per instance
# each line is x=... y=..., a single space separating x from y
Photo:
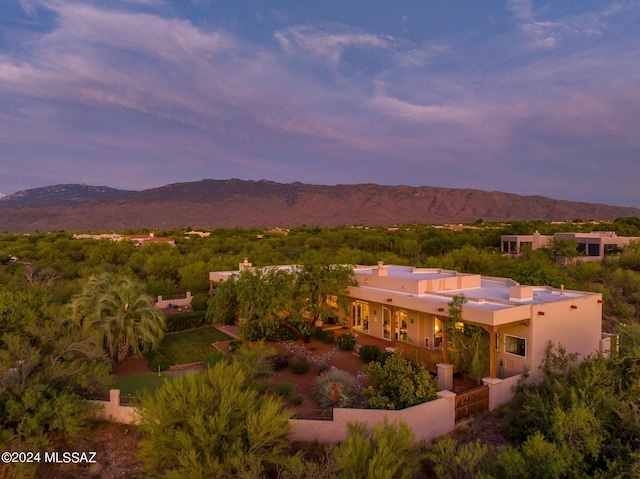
x=230 y=203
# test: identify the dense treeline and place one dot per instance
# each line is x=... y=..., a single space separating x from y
x=58 y=262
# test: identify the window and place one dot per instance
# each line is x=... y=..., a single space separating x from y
x=593 y=250
x=401 y=330
x=515 y=345
x=386 y=323
x=361 y=316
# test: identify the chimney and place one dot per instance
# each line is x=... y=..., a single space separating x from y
x=381 y=271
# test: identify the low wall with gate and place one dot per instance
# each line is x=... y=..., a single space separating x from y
x=428 y=420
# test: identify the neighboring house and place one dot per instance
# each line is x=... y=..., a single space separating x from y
x=201 y=234
x=406 y=306
x=137 y=239
x=592 y=246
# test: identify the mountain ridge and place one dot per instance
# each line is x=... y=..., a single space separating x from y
x=211 y=203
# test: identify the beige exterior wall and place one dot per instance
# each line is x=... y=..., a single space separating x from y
x=112 y=410
x=578 y=330
x=428 y=421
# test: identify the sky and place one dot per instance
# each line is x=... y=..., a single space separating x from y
x=521 y=96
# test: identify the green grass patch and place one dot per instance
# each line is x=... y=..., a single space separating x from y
x=131 y=385
x=186 y=347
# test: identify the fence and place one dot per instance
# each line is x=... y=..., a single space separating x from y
x=315 y=414
x=428 y=420
x=420 y=355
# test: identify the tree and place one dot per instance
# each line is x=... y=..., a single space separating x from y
x=388 y=451
x=561 y=248
x=469 y=343
x=47 y=366
x=120 y=313
x=397 y=384
x=211 y=425
x=319 y=291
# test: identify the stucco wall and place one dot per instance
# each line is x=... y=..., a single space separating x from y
x=164 y=303
x=112 y=410
x=428 y=421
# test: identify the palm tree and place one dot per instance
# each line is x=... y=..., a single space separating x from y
x=122 y=314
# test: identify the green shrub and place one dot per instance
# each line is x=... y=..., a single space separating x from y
x=284 y=389
x=284 y=333
x=369 y=353
x=329 y=337
x=158 y=360
x=214 y=357
x=235 y=345
x=383 y=356
x=398 y=384
x=200 y=301
x=296 y=399
x=335 y=388
x=347 y=342
x=187 y=320
x=280 y=361
x=323 y=368
x=259 y=385
x=299 y=364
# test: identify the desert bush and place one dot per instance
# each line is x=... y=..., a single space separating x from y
x=199 y=302
x=347 y=342
x=279 y=361
x=323 y=368
x=369 y=353
x=335 y=388
x=296 y=399
x=284 y=389
x=398 y=384
x=329 y=337
x=157 y=359
x=299 y=364
x=235 y=345
x=383 y=357
x=213 y=357
x=187 y=320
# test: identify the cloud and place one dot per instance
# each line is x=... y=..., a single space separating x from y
x=521 y=9
x=328 y=45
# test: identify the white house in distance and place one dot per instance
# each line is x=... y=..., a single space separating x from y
x=594 y=246
x=406 y=306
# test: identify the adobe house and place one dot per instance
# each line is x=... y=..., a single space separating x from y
x=592 y=246
x=406 y=307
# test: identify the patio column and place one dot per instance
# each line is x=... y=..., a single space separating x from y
x=394 y=320
x=492 y=351
x=445 y=347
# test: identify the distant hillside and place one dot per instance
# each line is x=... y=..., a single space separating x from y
x=58 y=193
x=229 y=203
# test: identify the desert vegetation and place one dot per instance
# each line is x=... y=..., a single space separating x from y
x=65 y=303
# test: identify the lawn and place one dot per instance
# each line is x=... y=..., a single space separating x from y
x=185 y=347
x=130 y=384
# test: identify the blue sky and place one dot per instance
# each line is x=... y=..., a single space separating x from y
x=527 y=97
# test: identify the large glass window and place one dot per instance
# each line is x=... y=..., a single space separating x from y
x=515 y=345
x=361 y=316
x=386 y=323
x=401 y=326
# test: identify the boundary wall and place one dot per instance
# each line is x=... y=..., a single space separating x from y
x=429 y=420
